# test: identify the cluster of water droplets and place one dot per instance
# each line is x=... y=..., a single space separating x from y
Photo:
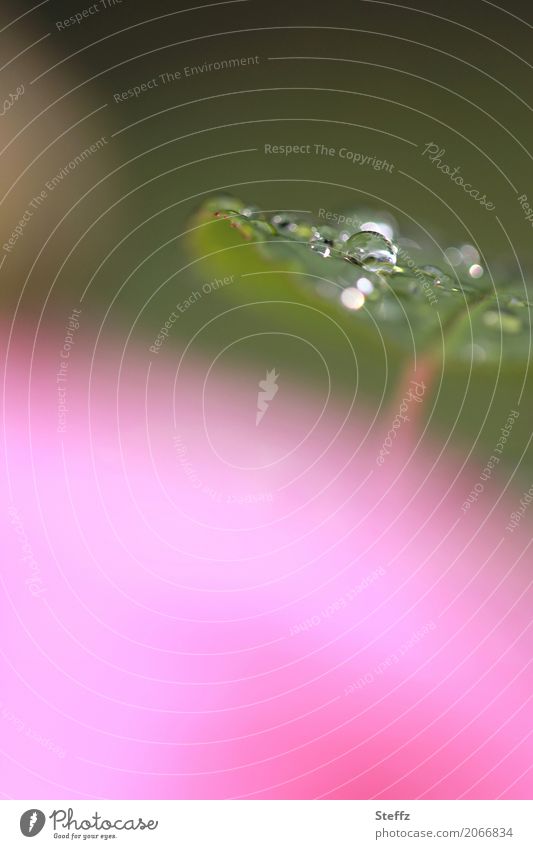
x=382 y=266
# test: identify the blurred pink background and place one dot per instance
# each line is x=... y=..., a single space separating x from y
x=199 y=607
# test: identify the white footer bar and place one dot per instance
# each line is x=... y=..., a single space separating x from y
x=269 y=824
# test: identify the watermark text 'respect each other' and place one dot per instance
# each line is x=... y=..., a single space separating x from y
x=184 y=305
x=492 y=462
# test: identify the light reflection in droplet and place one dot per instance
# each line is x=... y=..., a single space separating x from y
x=378 y=227
x=454 y=256
x=352 y=298
x=470 y=254
x=365 y=286
x=323 y=241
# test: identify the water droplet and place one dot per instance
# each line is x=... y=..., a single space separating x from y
x=378 y=227
x=352 y=298
x=247 y=226
x=282 y=221
x=251 y=212
x=323 y=242
x=291 y=227
x=504 y=320
x=226 y=213
x=371 y=250
x=476 y=271
x=439 y=278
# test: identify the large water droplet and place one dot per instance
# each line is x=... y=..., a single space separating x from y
x=371 y=250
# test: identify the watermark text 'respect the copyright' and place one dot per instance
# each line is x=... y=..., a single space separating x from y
x=353 y=156
x=62 y=374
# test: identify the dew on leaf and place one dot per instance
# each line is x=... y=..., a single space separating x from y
x=438 y=278
x=323 y=242
x=378 y=227
x=291 y=227
x=366 y=269
x=238 y=222
x=371 y=250
x=251 y=211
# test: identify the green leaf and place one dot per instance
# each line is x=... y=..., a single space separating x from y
x=369 y=284
x=471 y=334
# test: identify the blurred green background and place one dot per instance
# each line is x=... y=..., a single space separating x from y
x=382 y=79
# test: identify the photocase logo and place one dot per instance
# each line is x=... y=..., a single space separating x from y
x=32 y=822
x=267 y=390
x=65 y=824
